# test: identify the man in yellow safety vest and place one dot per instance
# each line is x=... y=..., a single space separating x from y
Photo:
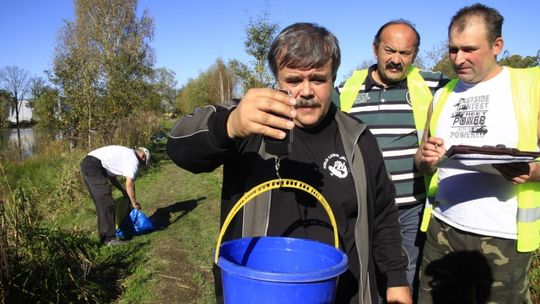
x=483 y=227
x=392 y=98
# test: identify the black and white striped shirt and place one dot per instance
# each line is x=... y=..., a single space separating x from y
x=388 y=113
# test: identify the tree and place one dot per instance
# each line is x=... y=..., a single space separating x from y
x=5 y=98
x=216 y=84
x=445 y=66
x=259 y=35
x=223 y=81
x=164 y=83
x=38 y=87
x=45 y=104
x=192 y=95
x=437 y=60
x=17 y=82
x=517 y=61
x=246 y=75
x=102 y=67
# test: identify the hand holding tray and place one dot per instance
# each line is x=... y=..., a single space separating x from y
x=498 y=152
x=508 y=162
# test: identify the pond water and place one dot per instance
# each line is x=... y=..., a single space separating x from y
x=23 y=142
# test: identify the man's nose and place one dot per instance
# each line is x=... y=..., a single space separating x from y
x=459 y=57
x=396 y=58
x=306 y=88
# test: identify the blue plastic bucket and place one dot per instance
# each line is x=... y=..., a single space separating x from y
x=280 y=270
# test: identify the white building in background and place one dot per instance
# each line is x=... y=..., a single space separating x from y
x=24 y=115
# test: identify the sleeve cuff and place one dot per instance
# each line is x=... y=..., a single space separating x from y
x=396 y=278
x=217 y=126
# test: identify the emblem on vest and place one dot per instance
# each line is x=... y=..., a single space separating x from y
x=337 y=165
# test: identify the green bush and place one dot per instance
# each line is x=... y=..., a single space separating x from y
x=57 y=266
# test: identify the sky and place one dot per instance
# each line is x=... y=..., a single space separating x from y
x=189 y=35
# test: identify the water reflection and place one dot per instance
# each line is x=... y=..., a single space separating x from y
x=23 y=142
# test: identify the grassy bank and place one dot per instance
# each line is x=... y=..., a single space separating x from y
x=50 y=224
x=52 y=233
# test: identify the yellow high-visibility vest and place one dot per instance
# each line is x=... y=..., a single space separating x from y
x=418 y=91
x=525 y=86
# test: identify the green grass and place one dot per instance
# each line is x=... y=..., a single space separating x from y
x=188 y=206
x=167 y=124
x=47 y=194
x=170 y=265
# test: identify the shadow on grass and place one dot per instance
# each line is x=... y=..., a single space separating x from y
x=162 y=218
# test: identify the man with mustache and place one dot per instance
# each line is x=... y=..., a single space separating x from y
x=392 y=98
x=330 y=150
x=484 y=227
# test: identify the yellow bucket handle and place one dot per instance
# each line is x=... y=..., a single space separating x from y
x=274 y=184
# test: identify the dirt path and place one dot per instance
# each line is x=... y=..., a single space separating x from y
x=187 y=209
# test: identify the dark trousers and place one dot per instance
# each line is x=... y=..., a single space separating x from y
x=218 y=284
x=409 y=217
x=95 y=177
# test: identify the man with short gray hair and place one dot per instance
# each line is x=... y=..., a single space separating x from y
x=311 y=141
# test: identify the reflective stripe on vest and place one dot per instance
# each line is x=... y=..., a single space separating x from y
x=525 y=85
x=418 y=91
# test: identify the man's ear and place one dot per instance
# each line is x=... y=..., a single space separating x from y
x=497 y=46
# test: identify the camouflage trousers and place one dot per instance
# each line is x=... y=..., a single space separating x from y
x=461 y=267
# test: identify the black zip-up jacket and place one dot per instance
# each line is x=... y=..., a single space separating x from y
x=199 y=143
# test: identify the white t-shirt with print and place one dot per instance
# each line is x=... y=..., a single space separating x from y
x=118 y=160
x=478 y=202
